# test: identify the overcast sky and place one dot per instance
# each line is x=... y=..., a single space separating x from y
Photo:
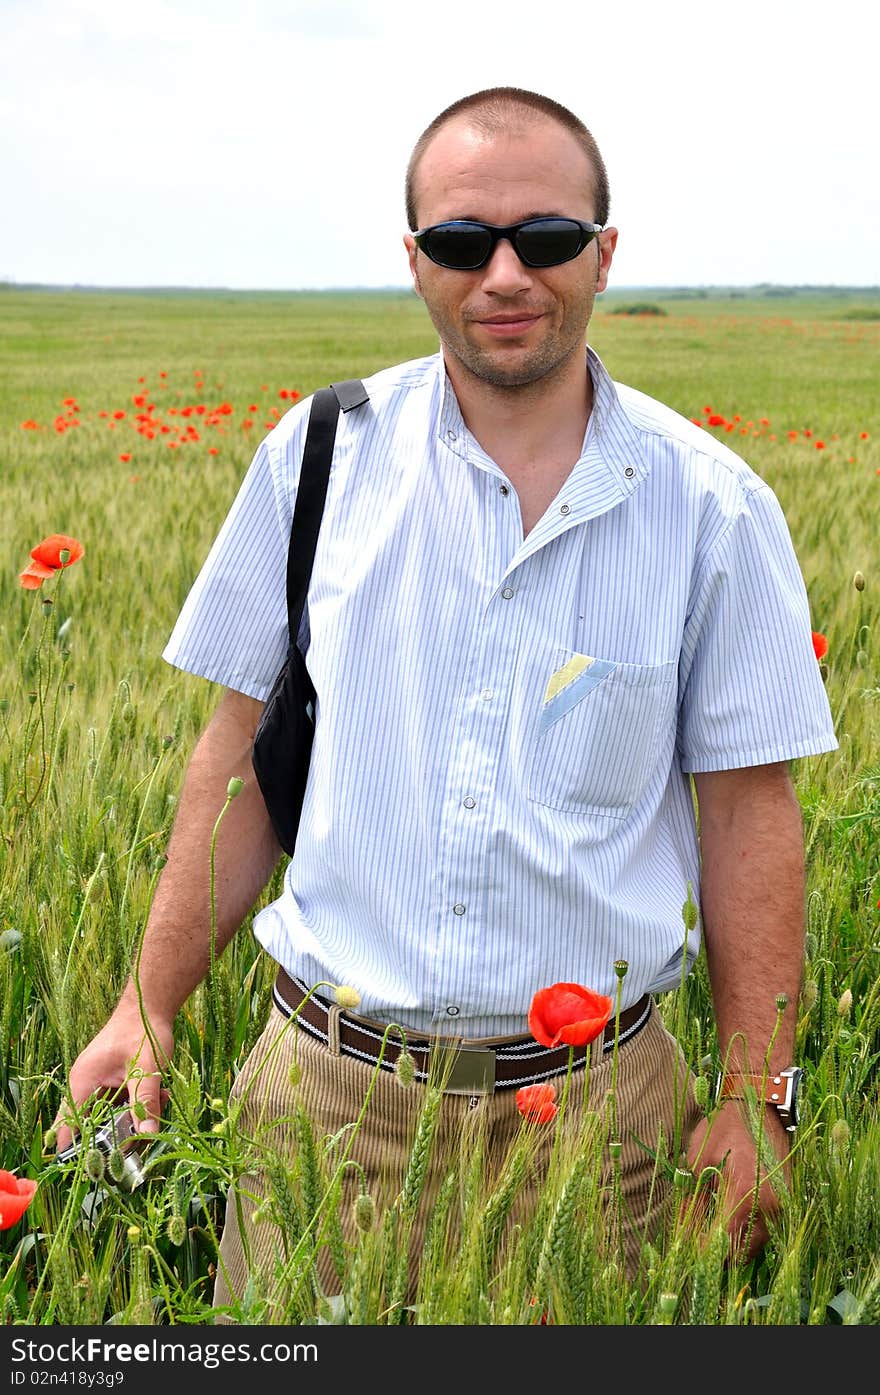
x=263 y=145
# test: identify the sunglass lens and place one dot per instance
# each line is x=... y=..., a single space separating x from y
x=550 y=242
x=461 y=248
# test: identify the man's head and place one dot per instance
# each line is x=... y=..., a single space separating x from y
x=498 y=111
x=519 y=314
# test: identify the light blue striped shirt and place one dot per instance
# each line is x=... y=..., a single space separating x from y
x=499 y=794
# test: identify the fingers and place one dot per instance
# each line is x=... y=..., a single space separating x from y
x=145 y=1099
x=68 y=1119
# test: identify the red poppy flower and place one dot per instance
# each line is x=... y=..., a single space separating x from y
x=16 y=1195
x=50 y=549
x=545 y=1316
x=34 y=575
x=820 y=645
x=537 y=1103
x=568 y=1013
x=716 y=420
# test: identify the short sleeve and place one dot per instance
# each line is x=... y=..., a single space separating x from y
x=750 y=687
x=232 y=628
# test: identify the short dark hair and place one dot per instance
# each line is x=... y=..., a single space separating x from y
x=493 y=111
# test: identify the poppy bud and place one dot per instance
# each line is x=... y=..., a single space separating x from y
x=621 y=968
x=840 y=1134
x=235 y=786
x=809 y=994
x=364 y=1211
x=781 y=1002
x=116 y=1164
x=701 y=1092
x=176 y=1230
x=94 y=1165
x=346 y=996
x=405 y=1069
x=689 y=911
x=859 y=581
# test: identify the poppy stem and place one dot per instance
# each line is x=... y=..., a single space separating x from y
x=561 y=1115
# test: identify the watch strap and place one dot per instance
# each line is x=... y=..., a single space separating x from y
x=770 y=1088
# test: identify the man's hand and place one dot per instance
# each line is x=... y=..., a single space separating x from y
x=728 y=1142
x=120 y=1058
x=176 y=948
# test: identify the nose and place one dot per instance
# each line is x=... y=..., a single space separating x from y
x=504 y=273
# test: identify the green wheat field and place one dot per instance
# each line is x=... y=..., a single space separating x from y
x=127 y=420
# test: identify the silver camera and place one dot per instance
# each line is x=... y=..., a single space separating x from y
x=119 y=1132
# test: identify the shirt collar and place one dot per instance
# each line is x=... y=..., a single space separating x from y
x=612 y=463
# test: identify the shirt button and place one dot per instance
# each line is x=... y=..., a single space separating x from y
x=629 y=472
x=450 y=435
x=469 y=802
x=458 y=908
x=503 y=489
x=452 y=1010
x=564 y=508
x=507 y=592
x=487 y=694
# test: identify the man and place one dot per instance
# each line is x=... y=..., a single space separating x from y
x=540 y=603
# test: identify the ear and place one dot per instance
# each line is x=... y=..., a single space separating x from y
x=607 y=240
x=412 y=252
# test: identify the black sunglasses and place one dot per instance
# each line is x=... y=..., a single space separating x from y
x=465 y=245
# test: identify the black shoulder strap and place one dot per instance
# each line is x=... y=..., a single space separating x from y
x=312 y=489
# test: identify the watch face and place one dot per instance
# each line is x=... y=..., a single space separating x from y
x=795 y=1075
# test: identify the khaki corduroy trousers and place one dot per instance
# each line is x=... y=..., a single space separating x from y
x=289 y=1070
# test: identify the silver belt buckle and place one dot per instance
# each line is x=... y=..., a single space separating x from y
x=465 y=1070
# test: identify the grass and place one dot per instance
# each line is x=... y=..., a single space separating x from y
x=96 y=733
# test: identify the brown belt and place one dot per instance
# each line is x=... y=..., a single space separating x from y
x=467 y=1067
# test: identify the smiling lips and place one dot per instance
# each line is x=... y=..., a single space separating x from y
x=508 y=326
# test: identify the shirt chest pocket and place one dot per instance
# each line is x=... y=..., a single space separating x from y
x=597 y=733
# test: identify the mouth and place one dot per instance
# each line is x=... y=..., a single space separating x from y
x=508 y=326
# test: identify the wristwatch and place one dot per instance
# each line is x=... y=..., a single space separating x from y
x=781 y=1090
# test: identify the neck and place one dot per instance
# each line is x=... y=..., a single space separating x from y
x=526 y=422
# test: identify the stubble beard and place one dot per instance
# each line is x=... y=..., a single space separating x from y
x=489 y=366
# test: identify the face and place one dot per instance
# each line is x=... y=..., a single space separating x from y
x=508 y=324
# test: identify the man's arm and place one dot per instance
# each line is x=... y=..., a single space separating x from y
x=752 y=901
x=175 y=956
